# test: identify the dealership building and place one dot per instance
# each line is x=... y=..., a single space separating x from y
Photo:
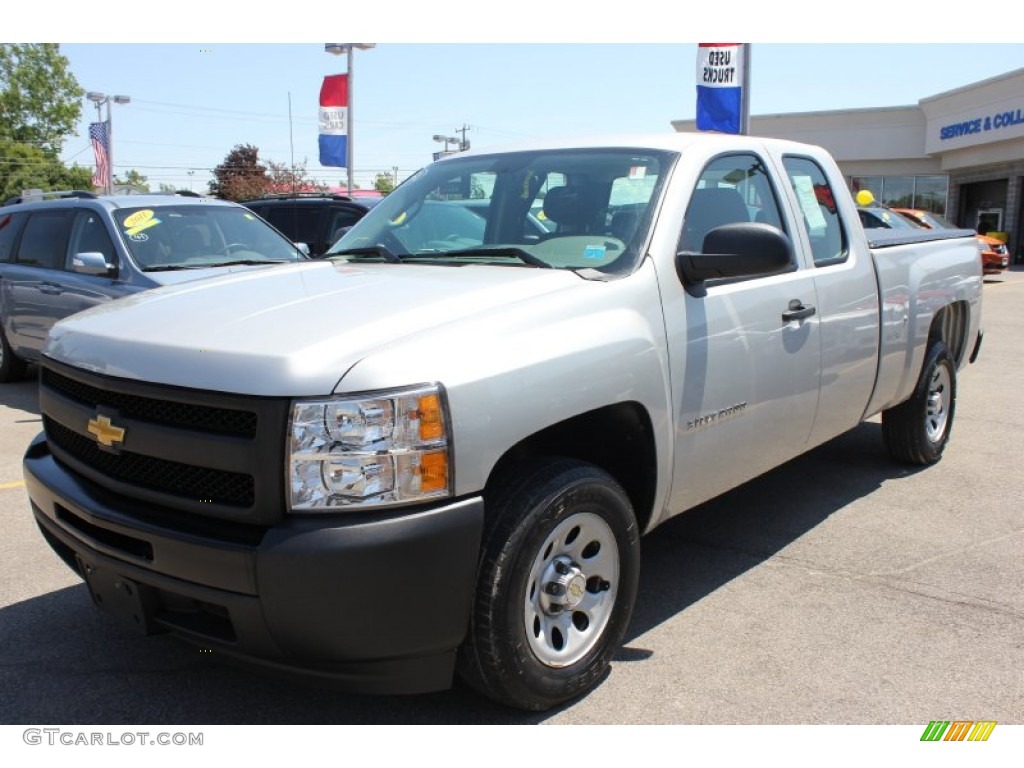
x=958 y=153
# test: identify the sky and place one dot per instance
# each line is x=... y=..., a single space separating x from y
x=504 y=72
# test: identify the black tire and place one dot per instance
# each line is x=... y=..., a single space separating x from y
x=558 y=575
x=12 y=368
x=917 y=430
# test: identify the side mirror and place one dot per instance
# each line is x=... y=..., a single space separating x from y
x=745 y=249
x=92 y=263
x=303 y=248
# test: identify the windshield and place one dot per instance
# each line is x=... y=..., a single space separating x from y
x=565 y=209
x=935 y=221
x=883 y=218
x=198 y=236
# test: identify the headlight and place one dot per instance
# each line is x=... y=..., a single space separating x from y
x=373 y=450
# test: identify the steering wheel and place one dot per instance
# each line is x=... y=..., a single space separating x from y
x=230 y=246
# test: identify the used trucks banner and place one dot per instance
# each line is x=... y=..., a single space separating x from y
x=720 y=87
x=334 y=121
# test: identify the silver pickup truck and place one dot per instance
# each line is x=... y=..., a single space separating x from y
x=434 y=452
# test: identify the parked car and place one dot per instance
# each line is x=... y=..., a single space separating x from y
x=65 y=252
x=317 y=220
x=995 y=256
x=880 y=217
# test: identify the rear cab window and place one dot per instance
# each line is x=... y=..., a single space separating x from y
x=820 y=216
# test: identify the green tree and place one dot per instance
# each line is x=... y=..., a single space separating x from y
x=40 y=100
x=134 y=179
x=240 y=176
x=24 y=166
x=384 y=183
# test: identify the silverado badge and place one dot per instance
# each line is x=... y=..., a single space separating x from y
x=106 y=433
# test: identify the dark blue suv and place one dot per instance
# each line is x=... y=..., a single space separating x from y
x=65 y=252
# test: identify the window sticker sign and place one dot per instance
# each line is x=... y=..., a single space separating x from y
x=139 y=221
x=808 y=199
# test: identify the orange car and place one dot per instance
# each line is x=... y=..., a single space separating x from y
x=995 y=256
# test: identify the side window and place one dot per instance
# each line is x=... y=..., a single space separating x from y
x=818 y=206
x=300 y=224
x=732 y=189
x=42 y=243
x=340 y=219
x=9 y=225
x=89 y=235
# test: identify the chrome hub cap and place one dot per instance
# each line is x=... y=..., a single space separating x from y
x=571 y=590
x=937 y=410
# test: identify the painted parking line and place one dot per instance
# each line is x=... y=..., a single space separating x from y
x=15 y=484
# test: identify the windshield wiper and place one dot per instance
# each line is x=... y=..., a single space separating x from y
x=518 y=253
x=173 y=267
x=239 y=262
x=248 y=262
x=371 y=250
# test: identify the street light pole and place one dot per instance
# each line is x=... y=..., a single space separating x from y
x=447 y=140
x=99 y=99
x=337 y=49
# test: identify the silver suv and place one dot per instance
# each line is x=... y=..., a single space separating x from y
x=64 y=252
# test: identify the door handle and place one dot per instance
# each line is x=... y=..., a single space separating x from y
x=797 y=311
x=51 y=289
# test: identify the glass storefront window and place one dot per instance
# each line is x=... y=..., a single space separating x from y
x=928 y=193
x=872 y=184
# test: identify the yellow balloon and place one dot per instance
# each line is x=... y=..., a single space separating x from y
x=864 y=197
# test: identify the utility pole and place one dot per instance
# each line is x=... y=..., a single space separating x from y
x=464 y=144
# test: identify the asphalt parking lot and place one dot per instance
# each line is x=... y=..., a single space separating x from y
x=838 y=589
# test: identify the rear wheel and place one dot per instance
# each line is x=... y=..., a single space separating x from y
x=12 y=368
x=557 y=581
x=917 y=430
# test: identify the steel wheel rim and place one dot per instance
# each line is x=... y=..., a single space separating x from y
x=571 y=590
x=939 y=400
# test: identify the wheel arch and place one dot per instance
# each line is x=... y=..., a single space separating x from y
x=951 y=325
x=617 y=438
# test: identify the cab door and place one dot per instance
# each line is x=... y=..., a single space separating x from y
x=745 y=353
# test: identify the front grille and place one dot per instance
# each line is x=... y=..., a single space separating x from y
x=207 y=486
x=184 y=415
x=207 y=454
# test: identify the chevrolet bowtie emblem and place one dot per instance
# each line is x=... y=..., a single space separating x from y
x=106 y=433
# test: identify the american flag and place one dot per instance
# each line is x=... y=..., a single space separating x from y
x=100 y=147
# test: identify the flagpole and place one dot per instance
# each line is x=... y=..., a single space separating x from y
x=745 y=113
x=110 y=153
x=349 y=50
x=349 y=123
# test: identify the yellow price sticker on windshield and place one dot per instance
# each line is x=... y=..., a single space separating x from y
x=138 y=218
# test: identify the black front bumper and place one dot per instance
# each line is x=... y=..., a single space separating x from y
x=366 y=603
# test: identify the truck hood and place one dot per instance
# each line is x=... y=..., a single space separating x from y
x=291 y=330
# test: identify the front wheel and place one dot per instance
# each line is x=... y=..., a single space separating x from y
x=917 y=430
x=556 y=586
